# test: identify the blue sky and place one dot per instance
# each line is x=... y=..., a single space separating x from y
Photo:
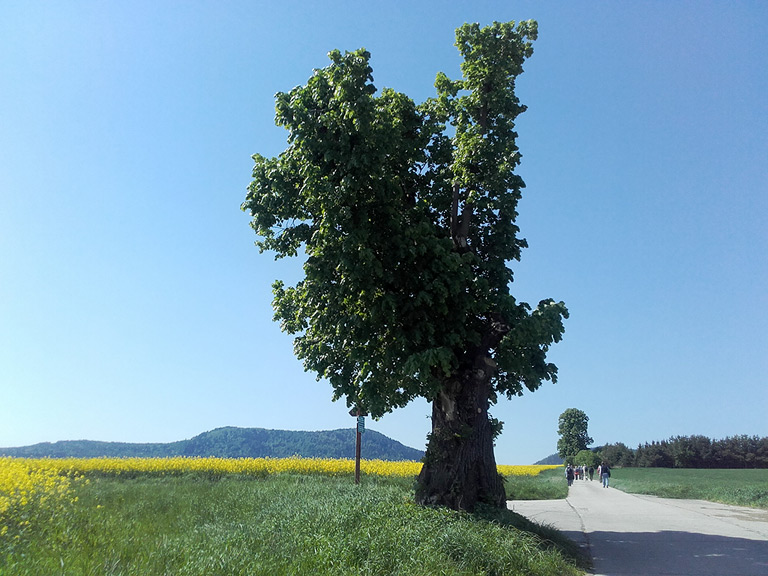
x=134 y=306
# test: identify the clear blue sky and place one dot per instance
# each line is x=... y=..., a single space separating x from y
x=134 y=306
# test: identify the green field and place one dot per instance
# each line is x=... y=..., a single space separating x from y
x=281 y=524
x=548 y=485
x=737 y=487
x=193 y=524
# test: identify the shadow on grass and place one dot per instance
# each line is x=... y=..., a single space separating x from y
x=550 y=538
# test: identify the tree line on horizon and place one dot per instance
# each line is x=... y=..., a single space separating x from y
x=690 y=452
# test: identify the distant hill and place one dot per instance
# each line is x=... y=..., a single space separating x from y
x=233 y=442
x=550 y=460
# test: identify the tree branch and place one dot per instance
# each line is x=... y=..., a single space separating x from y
x=455 y=212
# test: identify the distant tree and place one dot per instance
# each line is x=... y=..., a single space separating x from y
x=617 y=454
x=654 y=455
x=690 y=451
x=761 y=453
x=572 y=428
x=407 y=215
x=740 y=452
x=587 y=458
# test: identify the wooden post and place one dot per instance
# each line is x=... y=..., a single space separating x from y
x=358 y=441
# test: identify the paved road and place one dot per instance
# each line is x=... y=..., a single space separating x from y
x=631 y=535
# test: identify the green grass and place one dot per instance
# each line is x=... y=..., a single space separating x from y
x=737 y=487
x=548 y=485
x=284 y=524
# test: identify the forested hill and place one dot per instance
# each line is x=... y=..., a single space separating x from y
x=552 y=459
x=234 y=443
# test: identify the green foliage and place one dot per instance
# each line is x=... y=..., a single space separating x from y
x=572 y=428
x=406 y=214
x=230 y=442
x=692 y=452
x=279 y=525
x=736 y=487
x=616 y=454
x=587 y=458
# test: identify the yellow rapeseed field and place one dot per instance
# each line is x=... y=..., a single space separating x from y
x=243 y=466
x=532 y=470
x=25 y=486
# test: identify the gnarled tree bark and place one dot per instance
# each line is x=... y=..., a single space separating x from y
x=459 y=468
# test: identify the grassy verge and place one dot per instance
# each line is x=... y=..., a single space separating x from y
x=737 y=487
x=280 y=524
x=548 y=485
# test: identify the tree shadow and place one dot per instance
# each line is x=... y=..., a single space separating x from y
x=676 y=553
x=549 y=537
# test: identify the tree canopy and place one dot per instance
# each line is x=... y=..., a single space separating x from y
x=586 y=458
x=406 y=214
x=572 y=428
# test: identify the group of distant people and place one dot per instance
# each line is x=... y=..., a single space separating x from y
x=581 y=473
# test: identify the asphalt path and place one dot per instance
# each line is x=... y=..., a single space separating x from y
x=633 y=535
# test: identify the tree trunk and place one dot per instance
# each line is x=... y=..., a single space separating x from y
x=459 y=466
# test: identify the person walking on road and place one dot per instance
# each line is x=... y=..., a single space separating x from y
x=569 y=474
x=591 y=473
x=605 y=474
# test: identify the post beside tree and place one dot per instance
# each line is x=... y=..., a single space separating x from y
x=359 y=429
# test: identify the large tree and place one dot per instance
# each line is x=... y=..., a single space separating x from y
x=406 y=216
x=572 y=427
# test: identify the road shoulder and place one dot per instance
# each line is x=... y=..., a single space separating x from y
x=632 y=535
